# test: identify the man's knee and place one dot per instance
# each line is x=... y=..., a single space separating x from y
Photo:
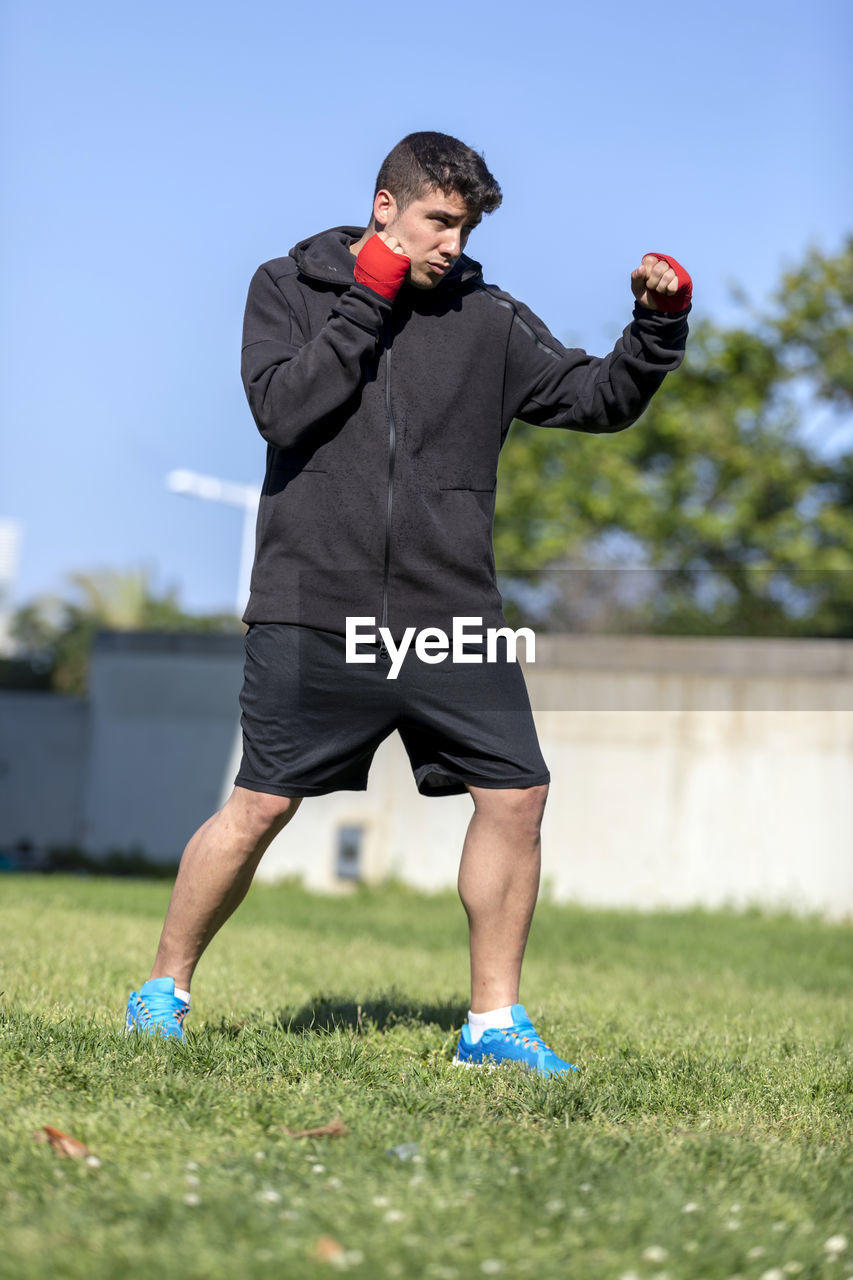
x=261 y=812
x=520 y=806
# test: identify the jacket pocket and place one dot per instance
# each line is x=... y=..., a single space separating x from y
x=470 y=480
x=465 y=515
x=283 y=473
x=297 y=513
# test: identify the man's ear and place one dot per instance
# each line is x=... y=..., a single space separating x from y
x=384 y=208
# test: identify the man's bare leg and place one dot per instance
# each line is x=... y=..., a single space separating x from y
x=216 y=870
x=498 y=885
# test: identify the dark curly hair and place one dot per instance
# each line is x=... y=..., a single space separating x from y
x=425 y=162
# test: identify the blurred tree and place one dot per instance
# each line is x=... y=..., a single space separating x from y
x=56 y=633
x=715 y=514
x=813 y=326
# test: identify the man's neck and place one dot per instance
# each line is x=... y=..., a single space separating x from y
x=357 y=245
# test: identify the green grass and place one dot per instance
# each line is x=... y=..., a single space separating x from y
x=711 y=1117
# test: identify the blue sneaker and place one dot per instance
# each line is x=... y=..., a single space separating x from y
x=155 y=1010
x=519 y=1043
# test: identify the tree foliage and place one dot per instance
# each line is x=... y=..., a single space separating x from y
x=56 y=633
x=718 y=512
x=814 y=323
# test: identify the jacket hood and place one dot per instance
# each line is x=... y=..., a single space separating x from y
x=326 y=257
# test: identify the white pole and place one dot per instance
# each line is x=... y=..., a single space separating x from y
x=245 y=496
x=247 y=553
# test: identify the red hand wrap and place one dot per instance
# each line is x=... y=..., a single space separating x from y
x=380 y=268
x=679 y=300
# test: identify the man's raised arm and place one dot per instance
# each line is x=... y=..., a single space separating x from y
x=294 y=382
x=551 y=386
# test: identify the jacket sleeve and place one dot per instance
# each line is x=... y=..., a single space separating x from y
x=293 y=382
x=551 y=386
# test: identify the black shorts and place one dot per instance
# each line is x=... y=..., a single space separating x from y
x=312 y=722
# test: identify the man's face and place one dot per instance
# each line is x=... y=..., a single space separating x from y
x=432 y=231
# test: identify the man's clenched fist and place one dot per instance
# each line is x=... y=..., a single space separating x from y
x=382 y=265
x=661 y=284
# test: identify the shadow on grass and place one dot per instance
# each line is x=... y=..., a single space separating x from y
x=380 y=1012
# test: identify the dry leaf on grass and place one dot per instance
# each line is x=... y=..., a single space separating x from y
x=334 y=1129
x=62 y=1143
x=327 y=1248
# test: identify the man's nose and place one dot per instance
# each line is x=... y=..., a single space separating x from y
x=452 y=242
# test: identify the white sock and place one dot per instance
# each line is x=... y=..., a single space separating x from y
x=480 y=1022
x=183 y=995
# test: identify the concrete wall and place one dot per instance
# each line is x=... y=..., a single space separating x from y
x=163 y=726
x=700 y=771
x=43 y=745
x=140 y=763
x=684 y=771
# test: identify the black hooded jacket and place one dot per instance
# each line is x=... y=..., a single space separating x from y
x=384 y=423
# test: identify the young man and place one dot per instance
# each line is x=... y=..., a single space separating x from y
x=384 y=375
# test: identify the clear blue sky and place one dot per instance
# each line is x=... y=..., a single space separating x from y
x=154 y=155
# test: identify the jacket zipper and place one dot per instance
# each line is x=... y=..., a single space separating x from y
x=392 y=452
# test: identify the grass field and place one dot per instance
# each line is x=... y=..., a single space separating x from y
x=707 y=1133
